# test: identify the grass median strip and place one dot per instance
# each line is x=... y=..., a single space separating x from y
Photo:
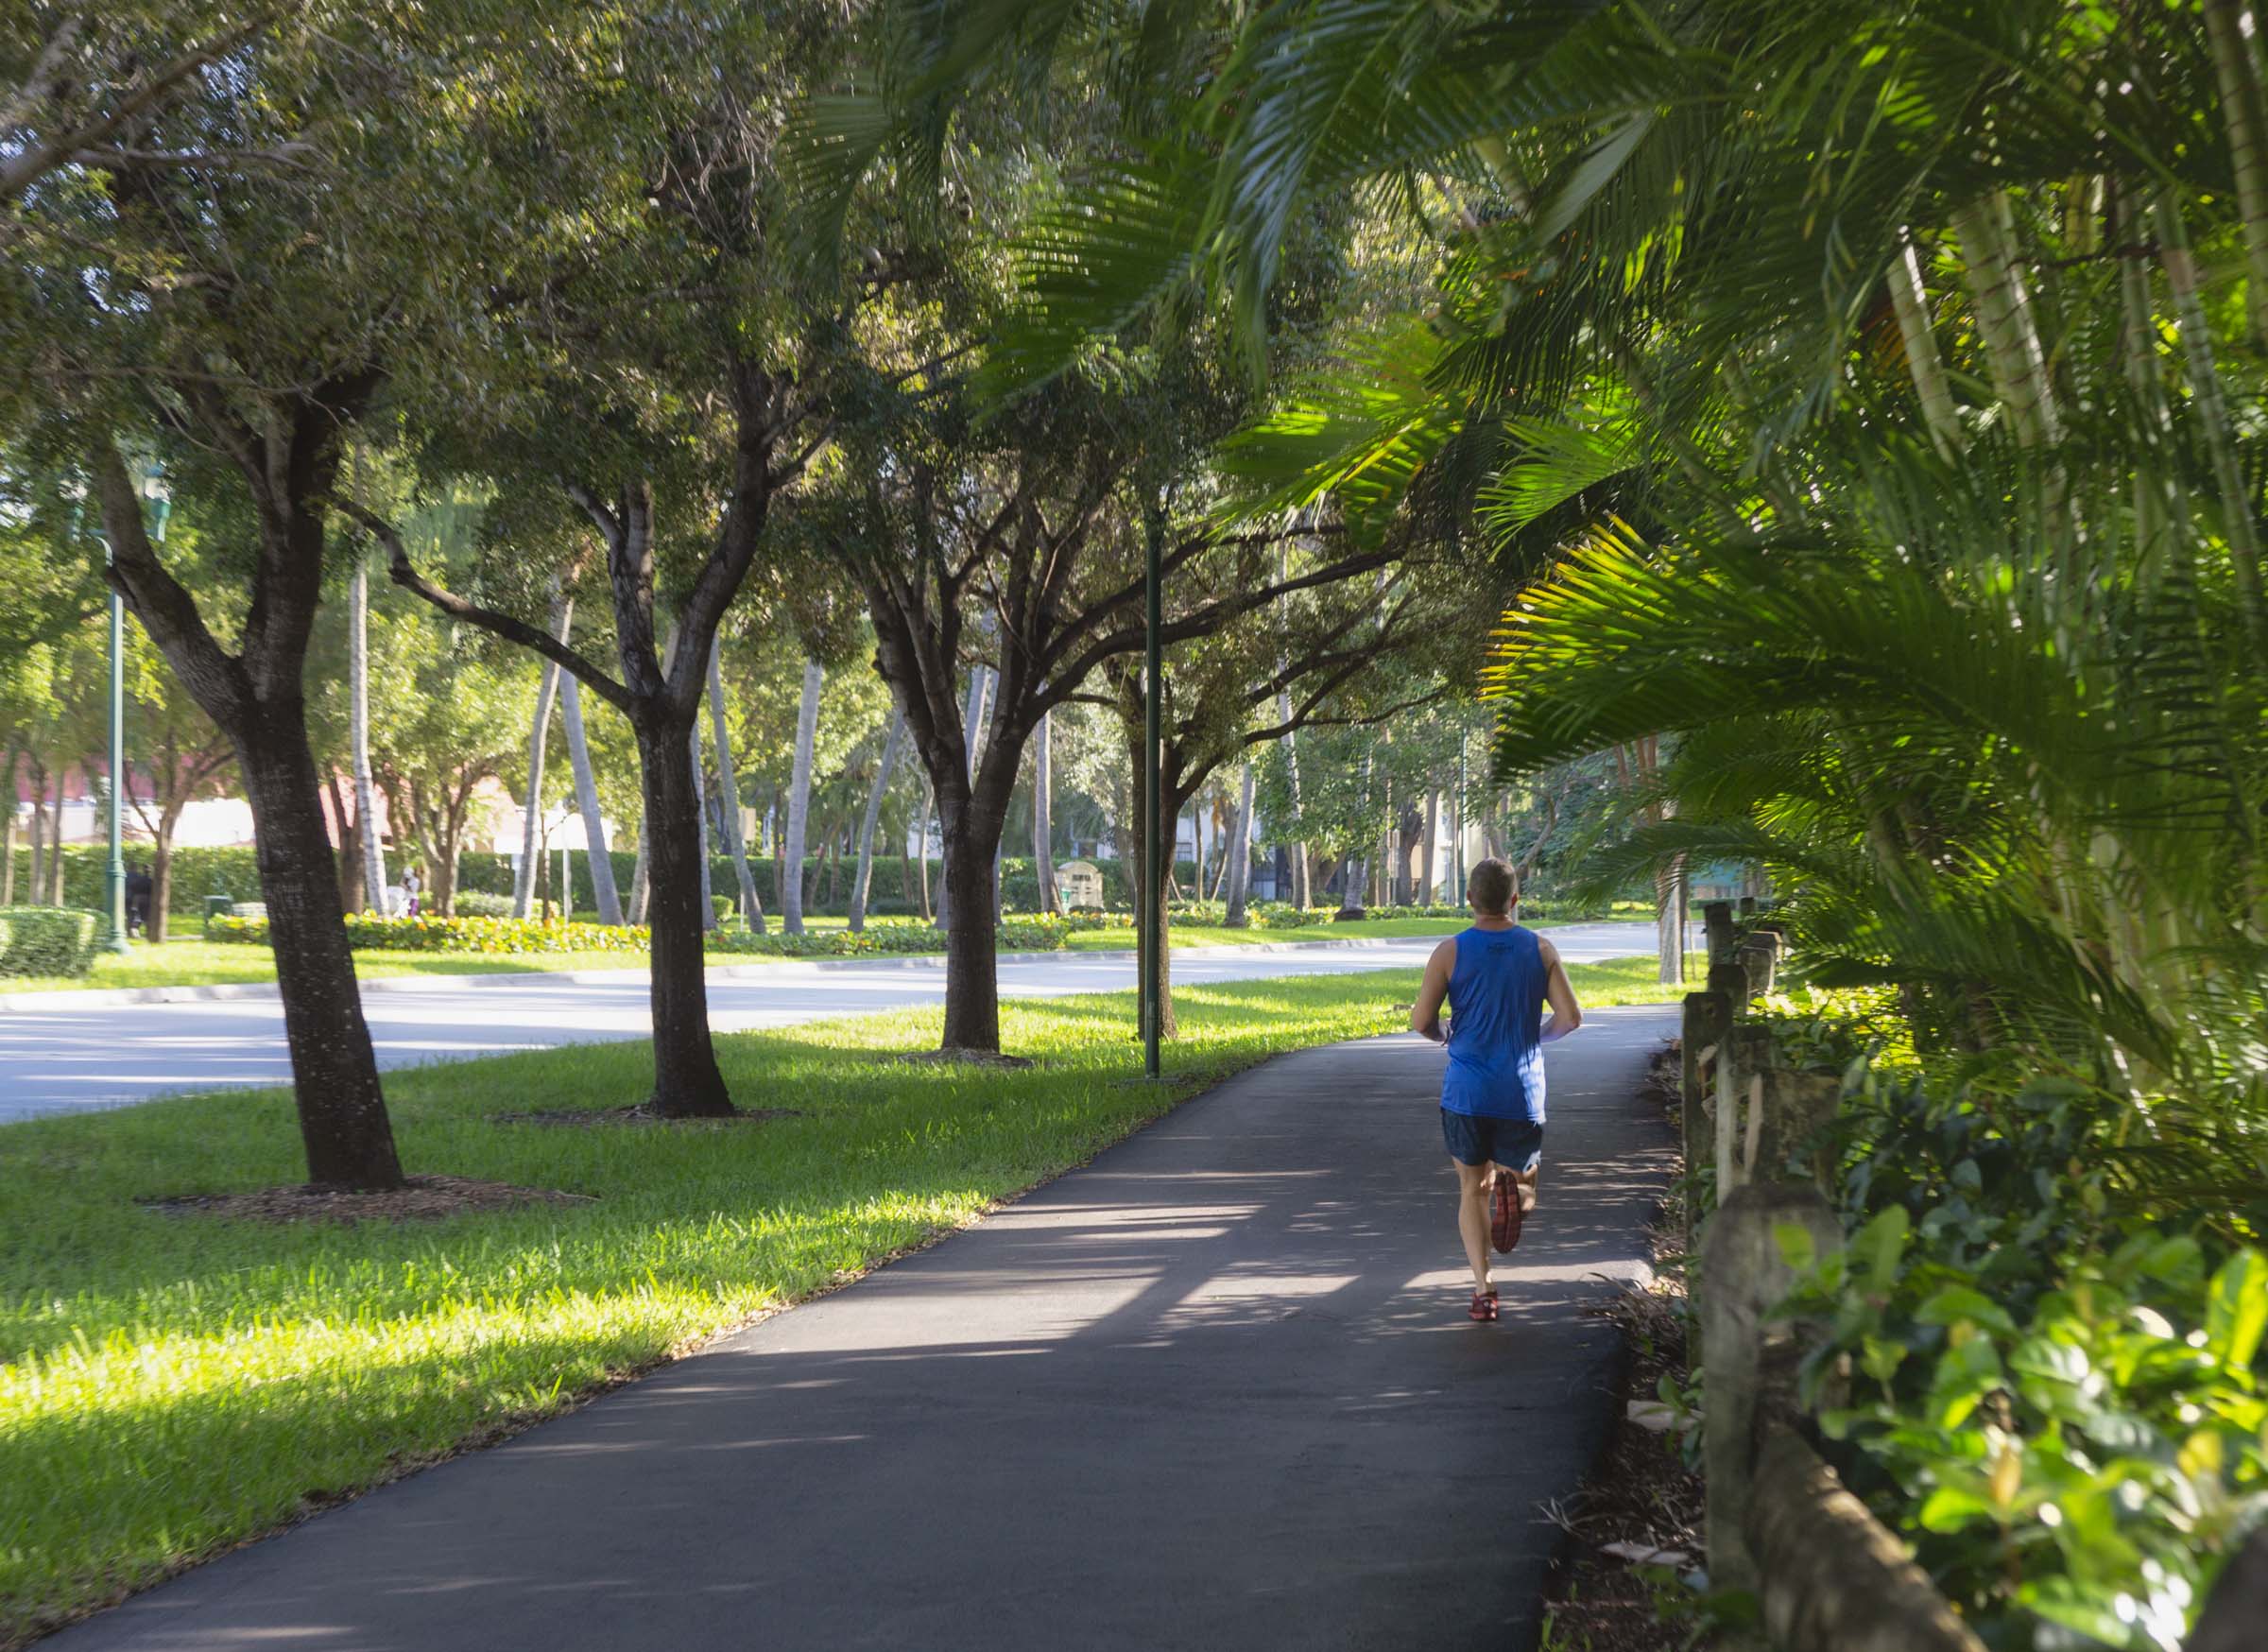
x=175 y=1385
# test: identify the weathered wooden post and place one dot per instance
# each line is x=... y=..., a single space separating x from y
x=1746 y=1275
x=2238 y=1606
x=1732 y=980
x=1744 y=1056
x=1760 y=955
x=1746 y=909
x=1831 y=1579
x=1716 y=924
x=1794 y=1105
x=1706 y=1018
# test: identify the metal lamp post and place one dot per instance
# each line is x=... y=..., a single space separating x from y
x=114 y=872
x=1153 y=905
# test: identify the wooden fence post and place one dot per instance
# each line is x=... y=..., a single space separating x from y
x=1760 y=955
x=1742 y=1057
x=1732 y=980
x=2238 y=1605
x=1831 y=1579
x=1707 y=1018
x=1745 y=1276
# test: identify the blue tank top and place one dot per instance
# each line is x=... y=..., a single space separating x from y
x=1496 y=1023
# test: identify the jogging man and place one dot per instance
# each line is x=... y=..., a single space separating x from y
x=1496 y=976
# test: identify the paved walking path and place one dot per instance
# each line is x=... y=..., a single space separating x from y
x=70 y=1058
x=1216 y=1390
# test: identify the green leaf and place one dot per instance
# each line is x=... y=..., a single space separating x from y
x=1882 y=1243
x=2236 y=1309
x=1952 y=1506
x=1955 y=1303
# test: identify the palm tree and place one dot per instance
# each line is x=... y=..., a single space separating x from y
x=799 y=801
x=883 y=769
x=358 y=679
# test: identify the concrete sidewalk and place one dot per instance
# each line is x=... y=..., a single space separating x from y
x=1216 y=1390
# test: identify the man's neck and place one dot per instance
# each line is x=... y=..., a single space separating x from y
x=1492 y=920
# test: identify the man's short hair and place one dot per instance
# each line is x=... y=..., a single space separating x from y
x=1492 y=886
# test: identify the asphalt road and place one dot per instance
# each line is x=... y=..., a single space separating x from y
x=1216 y=1390
x=68 y=1058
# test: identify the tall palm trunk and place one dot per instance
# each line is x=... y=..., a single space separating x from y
x=799 y=801
x=929 y=810
x=874 y=817
x=1922 y=359
x=2212 y=417
x=603 y=893
x=1240 y=855
x=2013 y=349
x=1044 y=829
x=531 y=820
x=358 y=679
x=751 y=904
x=2228 y=30
x=640 y=870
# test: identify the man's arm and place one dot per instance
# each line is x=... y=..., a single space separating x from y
x=1425 y=1015
x=1560 y=992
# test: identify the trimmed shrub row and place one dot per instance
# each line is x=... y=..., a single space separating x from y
x=46 y=941
x=496 y=935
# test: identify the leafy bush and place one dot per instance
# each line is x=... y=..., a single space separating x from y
x=480 y=904
x=504 y=936
x=2039 y=1356
x=46 y=941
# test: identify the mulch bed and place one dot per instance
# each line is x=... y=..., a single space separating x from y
x=1639 y=1497
x=593 y=1117
x=968 y=1058
x=427 y=1199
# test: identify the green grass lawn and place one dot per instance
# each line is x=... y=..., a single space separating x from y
x=174 y=1385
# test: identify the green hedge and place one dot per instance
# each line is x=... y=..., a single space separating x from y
x=499 y=936
x=46 y=941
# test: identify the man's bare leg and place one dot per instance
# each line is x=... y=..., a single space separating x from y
x=1473 y=1218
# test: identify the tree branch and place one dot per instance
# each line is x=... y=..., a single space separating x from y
x=405 y=573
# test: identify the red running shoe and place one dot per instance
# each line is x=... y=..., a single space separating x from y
x=1505 y=1214
x=1484 y=1306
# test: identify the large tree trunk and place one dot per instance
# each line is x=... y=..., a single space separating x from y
x=358 y=689
x=1240 y=855
x=873 y=817
x=720 y=736
x=161 y=870
x=687 y=1083
x=798 y=799
x=972 y=723
x=586 y=795
x=971 y=975
x=1153 y=898
x=1043 y=785
x=539 y=736
x=342 y=1108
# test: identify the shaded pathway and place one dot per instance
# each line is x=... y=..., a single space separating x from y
x=1216 y=1390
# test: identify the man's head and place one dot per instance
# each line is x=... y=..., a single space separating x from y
x=1492 y=890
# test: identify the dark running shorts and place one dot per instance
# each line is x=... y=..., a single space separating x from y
x=1515 y=1144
